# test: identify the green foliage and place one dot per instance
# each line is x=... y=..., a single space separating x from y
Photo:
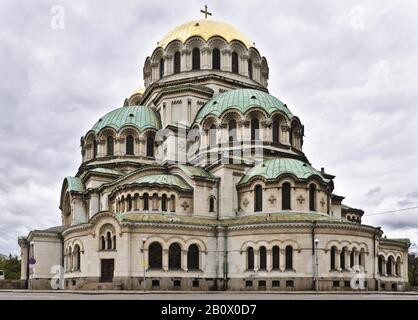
x=11 y=267
x=413 y=269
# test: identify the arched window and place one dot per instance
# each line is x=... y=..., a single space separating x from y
x=232 y=130
x=172 y=203
x=255 y=132
x=110 y=146
x=212 y=135
x=276 y=258
x=235 y=66
x=250 y=258
x=360 y=258
x=130 y=145
x=150 y=147
x=289 y=258
x=136 y=201
x=258 y=198
x=250 y=68
x=164 y=202
x=286 y=196
x=94 y=149
x=352 y=259
x=77 y=257
x=122 y=204
x=155 y=256
x=174 y=256
x=332 y=256
x=193 y=257
x=114 y=243
x=216 y=59
x=71 y=258
x=177 y=62
x=312 y=197
x=342 y=259
x=211 y=204
x=380 y=262
x=161 y=68
x=398 y=267
x=109 y=240
x=263 y=258
x=276 y=131
x=129 y=200
x=389 y=266
x=102 y=243
x=196 y=59
x=145 y=198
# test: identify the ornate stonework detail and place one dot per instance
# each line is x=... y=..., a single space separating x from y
x=322 y=202
x=185 y=205
x=246 y=202
x=300 y=199
x=272 y=199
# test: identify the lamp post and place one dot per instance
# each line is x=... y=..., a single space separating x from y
x=316 y=266
x=143 y=261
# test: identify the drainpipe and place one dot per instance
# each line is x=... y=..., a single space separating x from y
x=216 y=259
x=313 y=255
x=225 y=260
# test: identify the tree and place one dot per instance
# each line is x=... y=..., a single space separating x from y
x=413 y=269
x=11 y=267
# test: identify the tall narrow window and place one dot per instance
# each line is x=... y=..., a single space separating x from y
x=102 y=243
x=216 y=59
x=155 y=202
x=250 y=68
x=352 y=259
x=110 y=146
x=389 y=265
x=172 y=203
x=193 y=257
x=130 y=145
x=161 y=68
x=258 y=198
x=276 y=131
x=196 y=59
x=250 y=258
x=94 y=149
x=263 y=258
x=342 y=259
x=177 y=62
x=286 y=196
x=77 y=257
x=312 y=197
x=212 y=135
x=129 y=199
x=235 y=66
x=332 y=257
x=109 y=241
x=174 y=256
x=155 y=255
x=360 y=258
x=276 y=258
x=232 y=130
x=380 y=263
x=255 y=132
x=164 y=202
x=150 y=147
x=211 y=204
x=145 y=199
x=289 y=258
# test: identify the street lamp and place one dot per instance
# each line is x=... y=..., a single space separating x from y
x=316 y=265
x=143 y=260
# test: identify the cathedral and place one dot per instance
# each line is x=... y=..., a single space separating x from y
x=199 y=181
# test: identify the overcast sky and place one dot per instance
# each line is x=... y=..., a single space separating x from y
x=348 y=69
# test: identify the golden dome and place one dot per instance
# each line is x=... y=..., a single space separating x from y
x=139 y=91
x=206 y=29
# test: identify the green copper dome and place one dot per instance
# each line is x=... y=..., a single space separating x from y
x=242 y=100
x=272 y=169
x=141 y=117
x=169 y=180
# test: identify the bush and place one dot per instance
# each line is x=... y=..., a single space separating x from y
x=11 y=267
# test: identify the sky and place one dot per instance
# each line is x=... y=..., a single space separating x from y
x=347 y=69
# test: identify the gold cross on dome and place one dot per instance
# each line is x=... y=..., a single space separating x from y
x=206 y=12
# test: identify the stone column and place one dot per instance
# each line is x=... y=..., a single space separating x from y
x=206 y=62
x=384 y=271
x=243 y=65
x=269 y=260
x=337 y=259
x=226 y=64
x=282 y=260
x=256 y=260
x=184 y=260
x=24 y=253
x=165 y=259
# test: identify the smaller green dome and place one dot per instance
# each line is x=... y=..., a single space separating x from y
x=141 y=117
x=272 y=169
x=242 y=100
x=169 y=180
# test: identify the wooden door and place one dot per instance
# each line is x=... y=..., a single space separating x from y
x=108 y=266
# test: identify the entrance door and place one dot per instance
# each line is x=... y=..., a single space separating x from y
x=108 y=266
